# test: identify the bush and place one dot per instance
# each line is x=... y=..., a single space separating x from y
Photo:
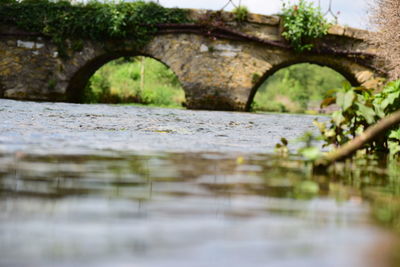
x=303 y=23
x=241 y=13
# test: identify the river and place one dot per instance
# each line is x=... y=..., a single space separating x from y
x=104 y=185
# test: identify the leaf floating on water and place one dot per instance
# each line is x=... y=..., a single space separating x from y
x=239 y=160
x=163 y=131
x=160 y=130
x=308 y=187
x=281 y=148
x=284 y=141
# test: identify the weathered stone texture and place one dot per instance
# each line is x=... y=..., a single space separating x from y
x=215 y=73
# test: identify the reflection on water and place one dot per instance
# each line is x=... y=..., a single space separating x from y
x=186 y=209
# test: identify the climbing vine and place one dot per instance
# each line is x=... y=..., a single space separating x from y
x=303 y=23
x=94 y=20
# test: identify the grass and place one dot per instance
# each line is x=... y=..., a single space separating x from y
x=297 y=89
x=138 y=80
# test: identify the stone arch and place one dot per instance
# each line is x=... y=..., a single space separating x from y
x=81 y=76
x=353 y=73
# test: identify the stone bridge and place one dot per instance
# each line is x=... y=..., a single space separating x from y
x=219 y=67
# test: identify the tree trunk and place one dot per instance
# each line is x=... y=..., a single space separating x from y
x=142 y=73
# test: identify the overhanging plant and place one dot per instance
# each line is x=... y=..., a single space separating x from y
x=302 y=23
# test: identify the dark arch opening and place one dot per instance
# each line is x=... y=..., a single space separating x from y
x=120 y=78
x=297 y=86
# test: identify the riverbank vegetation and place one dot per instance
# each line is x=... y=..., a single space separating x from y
x=368 y=120
x=364 y=132
x=297 y=89
x=139 y=80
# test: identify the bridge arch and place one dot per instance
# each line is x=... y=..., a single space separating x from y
x=80 y=78
x=351 y=72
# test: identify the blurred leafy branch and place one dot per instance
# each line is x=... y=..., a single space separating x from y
x=359 y=109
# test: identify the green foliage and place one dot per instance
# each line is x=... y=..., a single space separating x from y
x=94 y=20
x=241 y=13
x=296 y=88
x=255 y=78
x=52 y=83
x=7 y=2
x=303 y=23
x=359 y=109
x=120 y=82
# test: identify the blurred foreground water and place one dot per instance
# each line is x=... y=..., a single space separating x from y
x=100 y=185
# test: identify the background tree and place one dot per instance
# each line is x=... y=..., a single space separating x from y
x=385 y=19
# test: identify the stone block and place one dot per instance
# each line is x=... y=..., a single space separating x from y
x=364 y=76
x=39 y=45
x=204 y=48
x=336 y=30
x=227 y=48
x=355 y=33
x=262 y=19
x=25 y=44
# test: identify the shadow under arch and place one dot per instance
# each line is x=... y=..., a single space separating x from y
x=81 y=77
x=348 y=75
x=1 y=89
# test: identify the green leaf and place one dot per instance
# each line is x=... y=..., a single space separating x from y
x=394 y=147
x=346 y=86
x=345 y=100
x=395 y=134
x=380 y=111
x=367 y=112
x=321 y=126
x=338 y=118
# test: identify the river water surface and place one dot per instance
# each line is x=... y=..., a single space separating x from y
x=101 y=185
